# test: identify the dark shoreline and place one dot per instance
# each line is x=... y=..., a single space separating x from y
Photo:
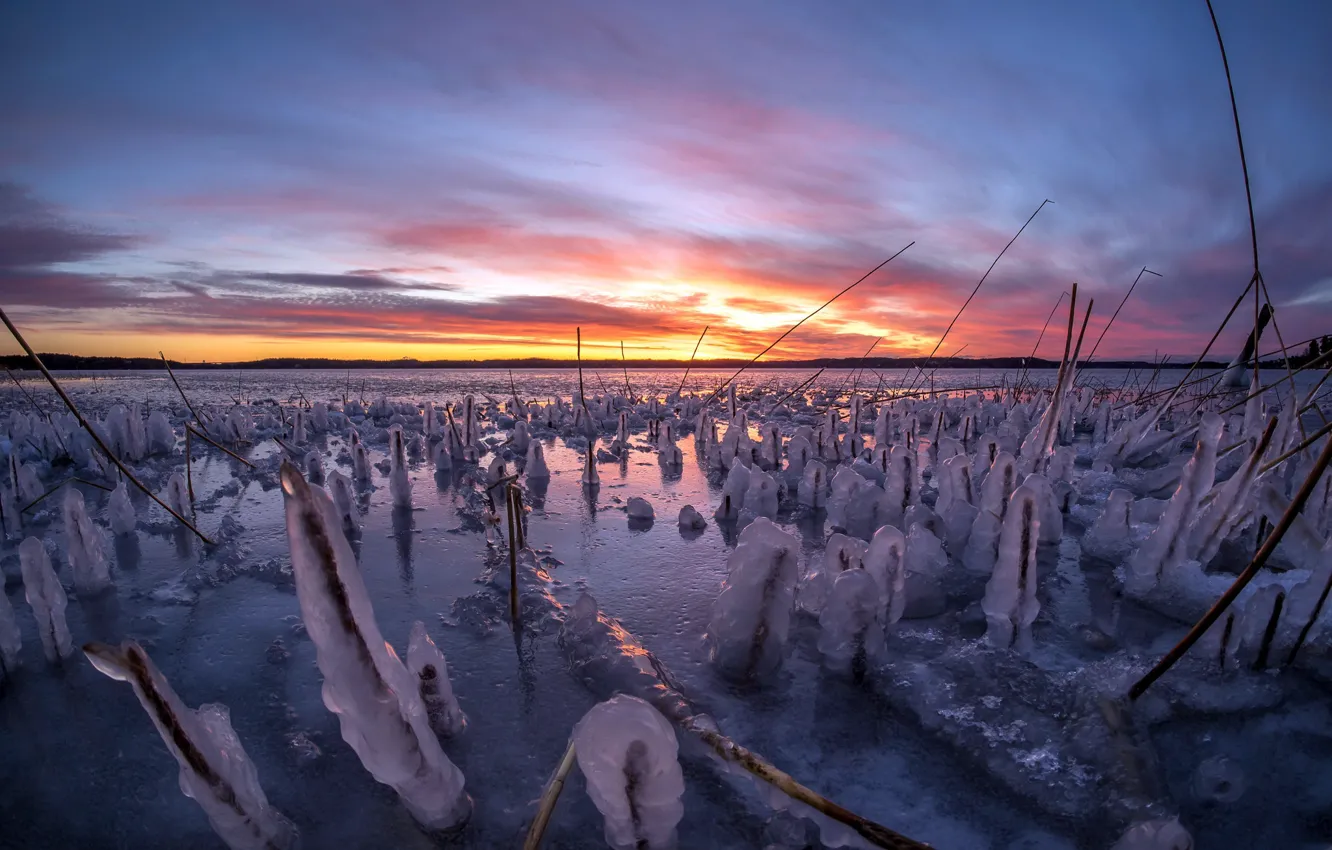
x=76 y=363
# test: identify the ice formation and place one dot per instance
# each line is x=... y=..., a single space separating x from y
x=760 y=496
x=813 y=489
x=83 y=546
x=841 y=554
x=360 y=460
x=24 y=481
x=399 y=484
x=1167 y=546
x=691 y=519
x=640 y=509
x=47 y=599
x=885 y=562
x=1110 y=536
x=432 y=673
x=120 y=511
x=161 y=439
x=215 y=770
x=314 y=466
x=536 y=468
x=298 y=426
x=1161 y=834
x=751 y=617
x=376 y=699
x=344 y=499
x=177 y=495
x=439 y=455
x=733 y=493
x=850 y=630
x=1010 y=604
x=590 y=476
x=629 y=756
x=983 y=544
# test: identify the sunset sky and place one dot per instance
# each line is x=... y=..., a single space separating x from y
x=444 y=179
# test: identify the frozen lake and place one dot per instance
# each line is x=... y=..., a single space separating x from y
x=82 y=766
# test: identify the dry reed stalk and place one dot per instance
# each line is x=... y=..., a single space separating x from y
x=549 y=798
x=691 y=359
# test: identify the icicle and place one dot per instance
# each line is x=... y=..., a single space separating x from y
x=751 y=617
x=427 y=663
x=83 y=546
x=1166 y=547
x=120 y=511
x=399 y=484
x=842 y=553
x=214 y=768
x=47 y=598
x=377 y=700
x=1010 y=604
x=629 y=756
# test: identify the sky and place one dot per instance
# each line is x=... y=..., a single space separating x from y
x=458 y=180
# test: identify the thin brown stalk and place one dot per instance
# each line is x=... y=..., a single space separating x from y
x=548 y=799
x=73 y=408
x=690 y=365
x=1115 y=315
x=189 y=472
x=210 y=441
x=1259 y=560
x=186 y=398
x=789 y=331
x=513 y=560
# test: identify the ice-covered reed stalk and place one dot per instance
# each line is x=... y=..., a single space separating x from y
x=314 y=466
x=1110 y=535
x=629 y=756
x=1010 y=604
x=590 y=476
x=760 y=496
x=344 y=500
x=83 y=546
x=298 y=426
x=439 y=455
x=770 y=452
x=429 y=423
x=120 y=511
x=902 y=482
x=798 y=453
x=360 y=459
x=1225 y=513
x=161 y=439
x=427 y=663
x=47 y=599
x=376 y=698
x=177 y=494
x=850 y=633
x=733 y=495
x=214 y=768
x=885 y=561
x=620 y=445
x=956 y=503
x=813 y=489
x=400 y=486
x=1167 y=545
x=521 y=438
x=751 y=617
x=842 y=553
x=471 y=431
x=535 y=467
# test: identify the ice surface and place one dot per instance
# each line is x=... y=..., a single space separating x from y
x=120 y=511
x=628 y=754
x=47 y=599
x=375 y=697
x=751 y=617
x=215 y=770
x=83 y=546
x=1010 y=604
x=432 y=673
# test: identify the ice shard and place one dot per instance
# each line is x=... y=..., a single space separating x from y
x=751 y=617
x=120 y=511
x=215 y=770
x=1010 y=604
x=83 y=546
x=47 y=599
x=432 y=675
x=376 y=698
x=628 y=754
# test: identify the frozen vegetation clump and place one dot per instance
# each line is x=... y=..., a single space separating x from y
x=376 y=698
x=47 y=599
x=83 y=547
x=751 y=617
x=399 y=484
x=629 y=756
x=120 y=511
x=432 y=673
